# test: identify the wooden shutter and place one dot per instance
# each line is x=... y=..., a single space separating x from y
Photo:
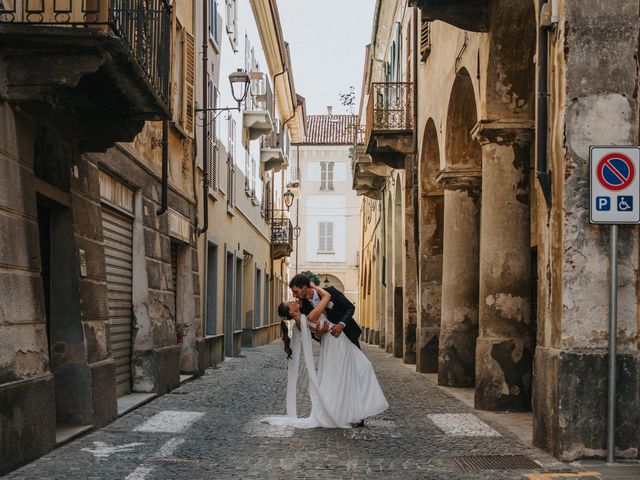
x=189 y=81
x=322 y=238
x=231 y=163
x=409 y=46
x=425 y=38
x=323 y=175
x=330 y=175
x=212 y=141
x=329 y=240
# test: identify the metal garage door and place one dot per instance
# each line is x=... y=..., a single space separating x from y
x=118 y=237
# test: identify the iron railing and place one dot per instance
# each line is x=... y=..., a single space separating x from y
x=390 y=108
x=144 y=26
x=278 y=138
x=261 y=94
x=281 y=232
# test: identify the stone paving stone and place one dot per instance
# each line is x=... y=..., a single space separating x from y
x=229 y=442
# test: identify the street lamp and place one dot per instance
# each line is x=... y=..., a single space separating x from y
x=288 y=198
x=240 y=82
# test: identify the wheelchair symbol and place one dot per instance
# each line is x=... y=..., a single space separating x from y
x=625 y=203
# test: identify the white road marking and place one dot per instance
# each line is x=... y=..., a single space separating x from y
x=169 y=448
x=462 y=425
x=169 y=421
x=166 y=451
x=139 y=473
x=102 y=450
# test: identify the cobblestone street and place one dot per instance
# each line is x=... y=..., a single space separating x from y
x=209 y=429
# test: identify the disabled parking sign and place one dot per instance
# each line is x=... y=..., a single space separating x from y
x=615 y=186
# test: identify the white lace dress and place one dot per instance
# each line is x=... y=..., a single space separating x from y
x=343 y=391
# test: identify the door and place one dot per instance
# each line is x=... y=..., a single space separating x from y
x=118 y=240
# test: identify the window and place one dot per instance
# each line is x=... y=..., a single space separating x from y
x=232 y=23
x=325 y=238
x=214 y=23
x=326 y=175
x=231 y=162
x=212 y=140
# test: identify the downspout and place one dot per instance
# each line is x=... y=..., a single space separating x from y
x=205 y=124
x=542 y=165
x=165 y=168
x=416 y=206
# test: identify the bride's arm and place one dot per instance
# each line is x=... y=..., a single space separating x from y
x=325 y=296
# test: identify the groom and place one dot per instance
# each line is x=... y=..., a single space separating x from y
x=339 y=311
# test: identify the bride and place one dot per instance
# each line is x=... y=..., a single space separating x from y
x=344 y=391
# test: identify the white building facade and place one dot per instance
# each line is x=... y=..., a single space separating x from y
x=327 y=211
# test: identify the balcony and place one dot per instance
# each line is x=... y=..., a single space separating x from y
x=368 y=178
x=105 y=64
x=257 y=119
x=471 y=15
x=281 y=236
x=389 y=130
x=274 y=150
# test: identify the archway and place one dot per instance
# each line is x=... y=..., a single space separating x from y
x=431 y=235
x=398 y=277
x=460 y=260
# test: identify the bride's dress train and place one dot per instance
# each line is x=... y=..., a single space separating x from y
x=345 y=389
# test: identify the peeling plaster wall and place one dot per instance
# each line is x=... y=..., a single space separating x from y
x=593 y=101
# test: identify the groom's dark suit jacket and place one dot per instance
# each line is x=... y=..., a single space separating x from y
x=341 y=311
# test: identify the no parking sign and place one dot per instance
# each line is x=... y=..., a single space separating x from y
x=615 y=186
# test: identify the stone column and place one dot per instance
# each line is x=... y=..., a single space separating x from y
x=430 y=281
x=459 y=325
x=410 y=269
x=504 y=354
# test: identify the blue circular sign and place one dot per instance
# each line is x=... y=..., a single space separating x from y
x=615 y=171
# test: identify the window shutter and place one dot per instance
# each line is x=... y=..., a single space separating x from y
x=323 y=175
x=329 y=236
x=212 y=141
x=409 y=46
x=425 y=38
x=230 y=15
x=189 y=81
x=231 y=164
x=322 y=239
x=330 y=175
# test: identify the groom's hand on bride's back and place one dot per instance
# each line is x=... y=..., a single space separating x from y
x=336 y=329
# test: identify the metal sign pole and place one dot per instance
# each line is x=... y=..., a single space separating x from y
x=613 y=328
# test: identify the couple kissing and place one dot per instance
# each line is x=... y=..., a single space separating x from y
x=344 y=389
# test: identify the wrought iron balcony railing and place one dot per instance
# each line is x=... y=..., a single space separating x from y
x=390 y=108
x=144 y=26
x=281 y=237
x=278 y=138
x=260 y=95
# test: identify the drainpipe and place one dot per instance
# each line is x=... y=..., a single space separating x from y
x=416 y=206
x=205 y=125
x=165 y=167
x=542 y=166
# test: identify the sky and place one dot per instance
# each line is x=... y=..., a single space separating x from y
x=327 y=40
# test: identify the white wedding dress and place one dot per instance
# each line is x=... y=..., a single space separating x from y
x=344 y=390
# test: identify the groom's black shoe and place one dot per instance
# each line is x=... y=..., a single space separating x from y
x=359 y=424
